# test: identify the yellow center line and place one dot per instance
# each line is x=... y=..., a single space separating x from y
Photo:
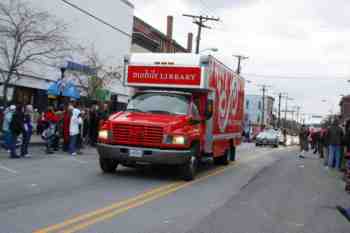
x=159 y=195
x=97 y=212
x=83 y=221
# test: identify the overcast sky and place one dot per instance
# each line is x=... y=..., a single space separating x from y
x=301 y=47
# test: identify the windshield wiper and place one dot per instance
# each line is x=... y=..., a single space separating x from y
x=133 y=110
x=160 y=112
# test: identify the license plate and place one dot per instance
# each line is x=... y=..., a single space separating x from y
x=136 y=153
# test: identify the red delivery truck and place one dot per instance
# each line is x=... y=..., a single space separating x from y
x=184 y=108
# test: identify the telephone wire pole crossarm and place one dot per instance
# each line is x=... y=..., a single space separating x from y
x=200 y=20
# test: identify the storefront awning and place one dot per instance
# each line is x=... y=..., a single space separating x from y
x=65 y=89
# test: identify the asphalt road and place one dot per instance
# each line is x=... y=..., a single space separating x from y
x=63 y=194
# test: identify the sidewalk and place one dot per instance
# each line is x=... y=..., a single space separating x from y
x=293 y=195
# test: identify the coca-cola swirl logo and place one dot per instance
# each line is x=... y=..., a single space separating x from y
x=227 y=89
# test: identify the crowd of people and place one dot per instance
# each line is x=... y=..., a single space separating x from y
x=68 y=127
x=332 y=143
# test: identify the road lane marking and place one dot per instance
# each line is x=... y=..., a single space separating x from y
x=157 y=196
x=86 y=220
x=97 y=212
x=125 y=205
x=8 y=169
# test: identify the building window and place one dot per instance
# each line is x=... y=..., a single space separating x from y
x=247 y=104
x=259 y=105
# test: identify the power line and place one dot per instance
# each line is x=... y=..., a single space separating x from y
x=96 y=18
x=297 y=77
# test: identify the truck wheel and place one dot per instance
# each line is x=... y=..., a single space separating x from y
x=226 y=158
x=108 y=165
x=189 y=169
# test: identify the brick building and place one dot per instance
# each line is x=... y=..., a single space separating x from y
x=146 y=38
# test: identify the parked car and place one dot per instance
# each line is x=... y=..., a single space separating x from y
x=268 y=137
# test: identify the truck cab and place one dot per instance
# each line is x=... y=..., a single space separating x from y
x=169 y=119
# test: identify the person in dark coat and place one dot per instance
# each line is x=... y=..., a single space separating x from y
x=94 y=120
x=17 y=128
x=27 y=131
x=347 y=155
x=66 y=121
x=335 y=138
x=303 y=141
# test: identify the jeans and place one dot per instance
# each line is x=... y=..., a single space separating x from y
x=7 y=139
x=25 y=142
x=334 y=155
x=13 y=142
x=73 y=143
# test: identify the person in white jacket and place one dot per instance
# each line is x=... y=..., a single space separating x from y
x=75 y=121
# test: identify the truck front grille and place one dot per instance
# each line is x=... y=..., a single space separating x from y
x=137 y=135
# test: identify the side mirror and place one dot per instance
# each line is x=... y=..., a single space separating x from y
x=209 y=109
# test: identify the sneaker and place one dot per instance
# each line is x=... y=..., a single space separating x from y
x=74 y=154
x=343 y=212
x=301 y=157
x=27 y=156
x=15 y=157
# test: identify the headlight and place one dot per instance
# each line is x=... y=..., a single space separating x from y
x=179 y=140
x=103 y=134
x=176 y=140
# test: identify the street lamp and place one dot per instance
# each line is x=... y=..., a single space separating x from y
x=210 y=49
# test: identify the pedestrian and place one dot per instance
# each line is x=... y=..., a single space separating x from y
x=8 y=114
x=335 y=135
x=104 y=113
x=27 y=131
x=66 y=122
x=347 y=155
x=75 y=122
x=324 y=145
x=303 y=140
x=17 y=128
x=49 y=133
x=93 y=125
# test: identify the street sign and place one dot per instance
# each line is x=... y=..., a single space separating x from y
x=80 y=68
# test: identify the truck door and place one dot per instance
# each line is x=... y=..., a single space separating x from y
x=209 y=137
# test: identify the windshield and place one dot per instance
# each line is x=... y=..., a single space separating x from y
x=163 y=103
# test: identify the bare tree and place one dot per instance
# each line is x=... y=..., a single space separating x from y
x=28 y=37
x=105 y=75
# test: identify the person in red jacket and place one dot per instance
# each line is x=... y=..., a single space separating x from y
x=66 y=121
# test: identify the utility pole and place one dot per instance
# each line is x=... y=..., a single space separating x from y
x=298 y=114
x=200 y=20
x=280 y=96
x=285 y=113
x=264 y=90
x=239 y=57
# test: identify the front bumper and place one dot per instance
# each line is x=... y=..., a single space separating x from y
x=149 y=155
x=266 y=142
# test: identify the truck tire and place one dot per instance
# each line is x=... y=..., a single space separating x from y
x=226 y=158
x=189 y=169
x=108 y=165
